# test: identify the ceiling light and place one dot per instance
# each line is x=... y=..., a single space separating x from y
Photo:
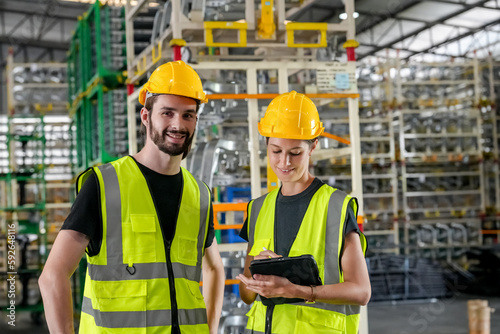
x=343 y=16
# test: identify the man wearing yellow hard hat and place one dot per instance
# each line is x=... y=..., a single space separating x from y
x=146 y=225
x=303 y=217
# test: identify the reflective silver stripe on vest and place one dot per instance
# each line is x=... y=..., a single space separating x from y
x=331 y=249
x=333 y=217
x=142 y=271
x=113 y=215
x=254 y=214
x=140 y=318
x=352 y=309
x=323 y=306
x=204 y=212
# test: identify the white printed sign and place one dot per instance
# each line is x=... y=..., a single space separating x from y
x=337 y=78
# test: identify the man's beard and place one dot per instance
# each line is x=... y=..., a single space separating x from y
x=170 y=148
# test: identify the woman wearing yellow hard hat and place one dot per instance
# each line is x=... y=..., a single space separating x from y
x=304 y=216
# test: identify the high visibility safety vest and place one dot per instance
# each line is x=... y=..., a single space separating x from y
x=321 y=234
x=136 y=284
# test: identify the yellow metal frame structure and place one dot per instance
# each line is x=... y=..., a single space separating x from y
x=292 y=27
x=223 y=25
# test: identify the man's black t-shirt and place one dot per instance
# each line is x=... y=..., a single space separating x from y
x=290 y=210
x=85 y=215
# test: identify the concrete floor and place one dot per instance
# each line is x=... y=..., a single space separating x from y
x=445 y=316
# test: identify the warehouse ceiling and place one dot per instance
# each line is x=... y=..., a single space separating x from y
x=439 y=27
x=40 y=30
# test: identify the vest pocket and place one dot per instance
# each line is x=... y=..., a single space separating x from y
x=194 y=287
x=187 y=249
x=122 y=296
x=251 y=317
x=142 y=241
x=318 y=321
x=256 y=318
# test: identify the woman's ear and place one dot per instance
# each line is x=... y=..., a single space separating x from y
x=313 y=146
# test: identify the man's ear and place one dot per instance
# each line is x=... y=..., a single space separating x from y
x=144 y=116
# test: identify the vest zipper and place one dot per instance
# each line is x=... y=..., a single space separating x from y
x=269 y=319
x=171 y=279
x=171 y=282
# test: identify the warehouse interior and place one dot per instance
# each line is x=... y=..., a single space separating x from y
x=408 y=92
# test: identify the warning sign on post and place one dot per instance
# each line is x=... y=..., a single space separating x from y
x=337 y=78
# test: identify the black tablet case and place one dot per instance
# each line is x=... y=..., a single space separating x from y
x=300 y=270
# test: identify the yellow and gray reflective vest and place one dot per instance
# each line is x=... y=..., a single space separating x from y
x=134 y=285
x=321 y=234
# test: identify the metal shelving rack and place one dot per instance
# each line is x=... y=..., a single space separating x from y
x=23 y=210
x=380 y=195
x=97 y=70
x=441 y=158
x=491 y=123
x=379 y=156
x=37 y=154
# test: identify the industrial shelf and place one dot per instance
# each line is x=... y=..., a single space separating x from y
x=76 y=66
x=378 y=156
x=37 y=148
x=108 y=124
x=97 y=63
x=441 y=154
x=441 y=238
x=447 y=84
x=106 y=53
x=491 y=124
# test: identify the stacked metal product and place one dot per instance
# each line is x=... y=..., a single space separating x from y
x=441 y=160
x=97 y=95
x=490 y=115
x=399 y=277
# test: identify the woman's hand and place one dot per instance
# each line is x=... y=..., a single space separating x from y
x=269 y=286
x=266 y=254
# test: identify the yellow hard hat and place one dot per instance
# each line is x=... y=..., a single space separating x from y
x=175 y=78
x=291 y=116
